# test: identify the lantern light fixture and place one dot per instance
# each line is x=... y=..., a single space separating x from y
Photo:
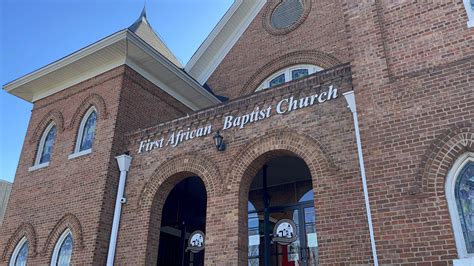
x=219 y=141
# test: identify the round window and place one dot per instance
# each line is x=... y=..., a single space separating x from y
x=287 y=13
x=283 y=16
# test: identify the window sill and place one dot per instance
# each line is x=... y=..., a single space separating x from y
x=79 y=154
x=38 y=166
x=463 y=262
x=470 y=24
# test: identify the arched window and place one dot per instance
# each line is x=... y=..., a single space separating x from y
x=288 y=74
x=469 y=5
x=45 y=147
x=86 y=133
x=20 y=254
x=63 y=250
x=460 y=197
x=308 y=196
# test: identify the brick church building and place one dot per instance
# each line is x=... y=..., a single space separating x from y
x=301 y=132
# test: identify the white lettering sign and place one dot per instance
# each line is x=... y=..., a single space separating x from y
x=284 y=106
x=175 y=138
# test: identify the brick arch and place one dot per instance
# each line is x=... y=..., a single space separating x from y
x=440 y=157
x=52 y=116
x=277 y=143
x=259 y=151
x=68 y=221
x=174 y=170
x=24 y=230
x=92 y=100
x=162 y=181
x=313 y=57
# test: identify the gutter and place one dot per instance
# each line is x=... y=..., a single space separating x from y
x=123 y=162
x=350 y=98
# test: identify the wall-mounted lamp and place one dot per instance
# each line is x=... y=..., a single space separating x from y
x=219 y=141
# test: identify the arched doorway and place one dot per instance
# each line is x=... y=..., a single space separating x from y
x=184 y=212
x=281 y=215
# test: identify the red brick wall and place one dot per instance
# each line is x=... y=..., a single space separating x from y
x=42 y=197
x=142 y=104
x=412 y=70
x=79 y=193
x=322 y=31
x=413 y=76
x=321 y=135
x=418 y=35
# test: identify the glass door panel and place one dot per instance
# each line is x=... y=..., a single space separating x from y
x=302 y=252
x=311 y=254
x=285 y=255
x=281 y=191
x=255 y=233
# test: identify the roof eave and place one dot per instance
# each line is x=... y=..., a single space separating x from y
x=222 y=38
x=173 y=68
x=23 y=88
x=73 y=57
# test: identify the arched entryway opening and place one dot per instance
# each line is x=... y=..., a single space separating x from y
x=281 y=213
x=184 y=213
x=154 y=194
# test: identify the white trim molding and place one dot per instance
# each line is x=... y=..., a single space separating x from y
x=450 y=187
x=17 y=250
x=38 y=166
x=79 y=154
x=222 y=38
x=118 y=49
x=59 y=244
x=185 y=89
x=470 y=13
x=463 y=262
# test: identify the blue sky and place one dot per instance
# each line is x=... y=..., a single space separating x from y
x=34 y=33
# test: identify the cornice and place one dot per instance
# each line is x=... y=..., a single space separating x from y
x=105 y=55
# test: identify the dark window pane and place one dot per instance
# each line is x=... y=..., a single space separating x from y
x=89 y=132
x=48 y=145
x=65 y=252
x=22 y=256
x=277 y=81
x=299 y=73
x=465 y=201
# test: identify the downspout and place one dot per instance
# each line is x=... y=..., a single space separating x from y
x=123 y=162
x=350 y=98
